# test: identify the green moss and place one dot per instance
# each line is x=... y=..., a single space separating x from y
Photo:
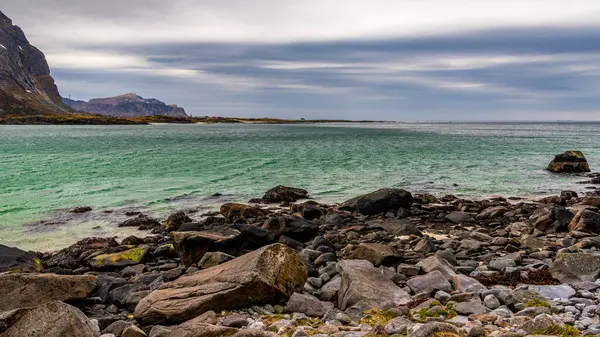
x=312 y=322
x=445 y=311
x=561 y=331
x=373 y=317
x=268 y=320
x=537 y=302
x=134 y=255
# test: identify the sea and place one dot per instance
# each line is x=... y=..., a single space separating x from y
x=45 y=171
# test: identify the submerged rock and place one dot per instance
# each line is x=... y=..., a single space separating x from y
x=267 y=275
x=380 y=201
x=569 y=162
x=28 y=290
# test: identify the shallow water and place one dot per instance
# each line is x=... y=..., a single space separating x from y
x=159 y=168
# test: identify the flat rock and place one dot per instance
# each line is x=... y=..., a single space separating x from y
x=576 y=267
x=308 y=304
x=460 y=217
x=377 y=254
x=28 y=290
x=364 y=284
x=551 y=292
x=52 y=319
x=429 y=283
x=266 y=275
x=128 y=257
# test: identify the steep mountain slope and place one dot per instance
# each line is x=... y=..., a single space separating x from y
x=128 y=105
x=26 y=87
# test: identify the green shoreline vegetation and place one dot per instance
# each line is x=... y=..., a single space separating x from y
x=90 y=119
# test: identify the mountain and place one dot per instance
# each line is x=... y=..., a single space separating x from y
x=26 y=87
x=128 y=105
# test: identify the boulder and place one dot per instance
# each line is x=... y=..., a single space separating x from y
x=563 y=292
x=576 y=267
x=267 y=275
x=175 y=220
x=27 y=290
x=365 y=286
x=429 y=283
x=400 y=227
x=585 y=221
x=569 y=162
x=380 y=201
x=52 y=319
x=284 y=194
x=77 y=255
x=551 y=219
x=436 y=262
x=18 y=261
x=240 y=212
x=308 y=305
x=191 y=246
x=125 y=258
x=492 y=212
x=293 y=227
x=460 y=217
x=254 y=237
x=436 y=329
x=142 y=222
x=376 y=253
x=212 y=259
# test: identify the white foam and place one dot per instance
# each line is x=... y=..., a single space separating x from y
x=1 y=45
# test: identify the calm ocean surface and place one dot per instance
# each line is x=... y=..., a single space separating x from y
x=45 y=170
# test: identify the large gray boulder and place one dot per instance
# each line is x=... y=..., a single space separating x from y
x=29 y=290
x=576 y=267
x=267 y=275
x=429 y=283
x=308 y=304
x=380 y=201
x=364 y=285
x=53 y=319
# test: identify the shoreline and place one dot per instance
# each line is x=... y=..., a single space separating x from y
x=383 y=261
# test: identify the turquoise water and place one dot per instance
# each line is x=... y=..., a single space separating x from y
x=159 y=168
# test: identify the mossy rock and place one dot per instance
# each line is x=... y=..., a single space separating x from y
x=14 y=260
x=561 y=331
x=373 y=317
x=569 y=162
x=121 y=259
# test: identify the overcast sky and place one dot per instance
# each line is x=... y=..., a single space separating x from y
x=376 y=59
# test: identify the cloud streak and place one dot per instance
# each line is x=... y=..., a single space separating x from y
x=395 y=60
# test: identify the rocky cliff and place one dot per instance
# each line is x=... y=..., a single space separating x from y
x=26 y=87
x=128 y=105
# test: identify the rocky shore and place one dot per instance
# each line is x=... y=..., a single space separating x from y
x=387 y=263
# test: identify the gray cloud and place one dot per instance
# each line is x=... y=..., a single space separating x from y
x=546 y=67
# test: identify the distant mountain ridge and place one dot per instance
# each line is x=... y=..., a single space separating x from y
x=127 y=105
x=26 y=87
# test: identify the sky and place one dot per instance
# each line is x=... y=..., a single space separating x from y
x=400 y=60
